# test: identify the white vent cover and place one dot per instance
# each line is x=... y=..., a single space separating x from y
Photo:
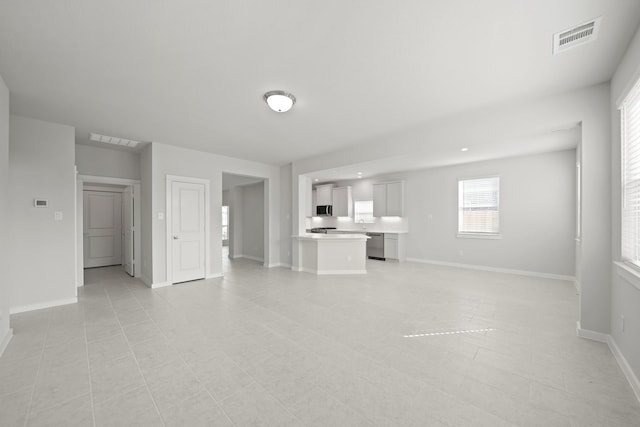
x=576 y=36
x=113 y=140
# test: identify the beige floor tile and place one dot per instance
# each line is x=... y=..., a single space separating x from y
x=115 y=377
x=134 y=408
x=14 y=407
x=198 y=410
x=76 y=412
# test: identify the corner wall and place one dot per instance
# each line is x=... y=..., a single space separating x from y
x=42 y=256
x=5 y=330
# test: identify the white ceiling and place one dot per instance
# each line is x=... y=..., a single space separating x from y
x=192 y=73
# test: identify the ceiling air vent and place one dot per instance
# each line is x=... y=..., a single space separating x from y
x=113 y=140
x=576 y=36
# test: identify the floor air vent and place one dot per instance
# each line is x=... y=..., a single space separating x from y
x=576 y=36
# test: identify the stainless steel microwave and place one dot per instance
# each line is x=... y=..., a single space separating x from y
x=324 y=210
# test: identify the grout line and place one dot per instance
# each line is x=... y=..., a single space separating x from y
x=155 y=405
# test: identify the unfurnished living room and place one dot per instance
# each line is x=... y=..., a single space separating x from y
x=296 y=213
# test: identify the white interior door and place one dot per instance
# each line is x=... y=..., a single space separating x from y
x=187 y=231
x=102 y=228
x=127 y=231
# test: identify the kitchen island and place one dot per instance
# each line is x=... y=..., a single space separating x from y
x=332 y=253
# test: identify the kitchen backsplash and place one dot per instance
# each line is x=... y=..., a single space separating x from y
x=380 y=224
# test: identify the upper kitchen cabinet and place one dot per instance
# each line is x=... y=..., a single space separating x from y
x=324 y=194
x=314 y=202
x=342 y=202
x=388 y=199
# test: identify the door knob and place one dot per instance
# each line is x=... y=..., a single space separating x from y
x=175 y=237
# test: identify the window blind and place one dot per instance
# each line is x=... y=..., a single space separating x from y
x=630 y=130
x=478 y=205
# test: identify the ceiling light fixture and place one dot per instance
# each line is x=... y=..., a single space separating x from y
x=279 y=100
x=464 y=149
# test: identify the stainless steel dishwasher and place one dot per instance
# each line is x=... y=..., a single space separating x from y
x=375 y=246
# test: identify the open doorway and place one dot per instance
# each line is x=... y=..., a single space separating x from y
x=243 y=235
x=107 y=224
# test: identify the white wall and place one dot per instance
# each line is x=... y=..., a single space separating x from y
x=171 y=160
x=253 y=221
x=42 y=256
x=146 y=212
x=537 y=215
x=5 y=331
x=625 y=297
x=588 y=106
x=236 y=200
x=286 y=230
x=97 y=161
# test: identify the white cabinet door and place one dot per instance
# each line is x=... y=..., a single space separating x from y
x=395 y=199
x=379 y=200
x=390 y=247
x=188 y=231
x=314 y=202
x=324 y=194
x=342 y=202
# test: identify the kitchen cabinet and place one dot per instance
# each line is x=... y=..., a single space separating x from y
x=314 y=202
x=342 y=202
x=324 y=194
x=394 y=246
x=388 y=199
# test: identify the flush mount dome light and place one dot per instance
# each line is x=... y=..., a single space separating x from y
x=279 y=100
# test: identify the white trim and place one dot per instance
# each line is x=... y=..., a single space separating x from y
x=160 y=285
x=278 y=264
x=5 y=341
x=214 y=276
x=327 y=272
x=170 y=179
x=490 y=236
x=628 y=273
x=39 y=306
x=495 y=269
x=624 y=365
x=252 y=258
x=589 y=334
x=103 y=189
x=615 y=350
x=94 y=179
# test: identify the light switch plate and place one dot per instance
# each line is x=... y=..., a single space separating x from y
x=57 y=216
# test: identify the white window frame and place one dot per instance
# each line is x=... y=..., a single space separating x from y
x=630 y=177
x=367 y=220
x=495 y=234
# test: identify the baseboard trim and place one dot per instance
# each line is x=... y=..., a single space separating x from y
x=495 y=269
x=591 y=335
x=624 y=365
x=160 y=285
x=214 y=276
x=252 y=258
x=278 y=264
x=5 y=341
x=620 y=359
x=40 y=306
x=329 y=272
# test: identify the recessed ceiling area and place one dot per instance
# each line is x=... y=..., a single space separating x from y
x=556 y=140
x=193 y=74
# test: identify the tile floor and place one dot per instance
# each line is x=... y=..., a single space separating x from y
x=270 y=347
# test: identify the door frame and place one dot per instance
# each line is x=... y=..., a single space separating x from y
x=169 y=217
x=92 y=179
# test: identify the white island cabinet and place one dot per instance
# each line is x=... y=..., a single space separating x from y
x=388 y=199
x=332 y=253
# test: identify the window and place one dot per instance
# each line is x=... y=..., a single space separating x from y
x=478 y=207
x=225 y=223
x=363 y=211
x=630 y=124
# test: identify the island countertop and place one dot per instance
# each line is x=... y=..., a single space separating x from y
x=321 y=236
